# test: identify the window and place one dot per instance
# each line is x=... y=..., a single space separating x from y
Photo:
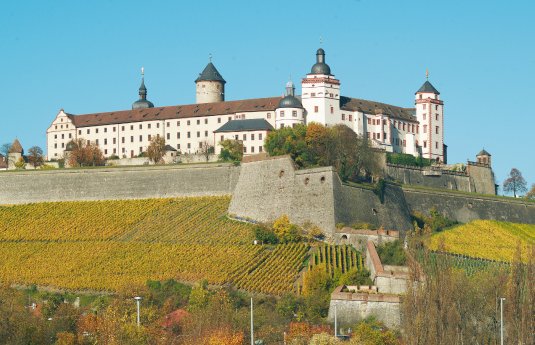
x=141 y=126
x=282 y=125
x=403 y=126
x=436 y=129
x=114 y=129
x=149 y=137
x=70 y=135
x=55 y=146
x=105 y=151
x=132 y=139
x=205 y=121
x=436 y=107
x=79 y=132
x=245 y=149
x=88 y=131
x=198 y=134
x=343 y=117
x=374 y=135
x=260 y=148
x=294 y=113
x=436 y=144
x=369 y=121
x=332 y=110
x=244 y=137
x=122 y=140
x=218 y=120
x=178 y=123
x=384 y=135
x=313 y=94
x=425 y=143
x=148 y=125
x=425 y=106
x=189 y=135
x=178 y=135
x=198 y=121
x=178 y=146
x=157 y=125
x=269 y=115
x=105 y=130
x=259 y=136
x=188 y=123
x=252 y=136
x=56 y=127
x=316 y=109
x=350 y=117
x=131 y=127
x=167 y=124
x=123 y=150
x=96 y=142
x=236 y=137
x=229 y=118
x=252 y=149
x=282 y=113
x=122 y=128
x=189 y=145
x=140 y=138
x=436 y=117
x=425 y=128
x=168 y=136
x=140 y=149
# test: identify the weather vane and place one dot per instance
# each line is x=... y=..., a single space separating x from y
x=427 y=74
x=142 y=71
x=210 y=57
x=321 y=40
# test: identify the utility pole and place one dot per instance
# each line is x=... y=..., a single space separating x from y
x=138 y=300
x=501 y=320
x=252 y=323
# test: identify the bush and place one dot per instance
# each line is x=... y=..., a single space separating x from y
x=265 y=235
x=406 y=159
x=365 y=226
x=355 y=277
x=435 y=221
x=392 y=253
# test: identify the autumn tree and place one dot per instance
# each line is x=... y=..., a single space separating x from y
x=515 y=183
x=35 y=156
x=285 y=231
x=531 y=193
x=231 y=150
x=156 y=149
x=84 y=153
x=4 y=151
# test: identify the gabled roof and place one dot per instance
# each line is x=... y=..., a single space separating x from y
x=16 y=147
x=427 y=87
x=210 y=73
x=245 y=125
x=483 y=153
x=169 y=148
x=175 y=112
x=371 y=107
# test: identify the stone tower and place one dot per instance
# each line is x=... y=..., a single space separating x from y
x=210 y=85
x=430 y=115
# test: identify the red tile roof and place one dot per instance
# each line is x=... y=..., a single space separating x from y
x=175 y=112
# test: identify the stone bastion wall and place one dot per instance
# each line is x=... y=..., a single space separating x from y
x=117 y=183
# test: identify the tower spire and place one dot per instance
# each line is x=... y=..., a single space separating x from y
x=427 y=74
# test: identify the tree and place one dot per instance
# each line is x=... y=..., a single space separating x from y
x=156 y=149
x=286 y=232
x=84 y=154
x=231 y=150
x=20 y=164
x=35 y=156
x=206 y=149
x=4 y=151
x=531 y=193
x=515 y=183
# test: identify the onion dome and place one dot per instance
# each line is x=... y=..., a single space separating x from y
x=320 y=67
x=210 y=73
x=142 y=102
x=16 y=147
x=290 y=101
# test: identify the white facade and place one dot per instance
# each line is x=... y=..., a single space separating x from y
x=128 y=133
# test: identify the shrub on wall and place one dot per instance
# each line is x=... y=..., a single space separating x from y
x=406 y=159
x=392 y=253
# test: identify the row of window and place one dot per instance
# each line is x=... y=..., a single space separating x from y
x=436 y=116
x=244 y=137
x=294 y=113
x=437 y=130
x=252 y=149
x=425 y=105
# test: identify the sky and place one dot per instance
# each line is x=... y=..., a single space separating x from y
x=85 y=57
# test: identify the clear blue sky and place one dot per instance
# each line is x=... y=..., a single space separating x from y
x=85 y=56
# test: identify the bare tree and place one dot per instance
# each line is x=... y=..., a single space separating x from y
x=35 y=156
x=156 y=149
x=515 y=183
x=531 y=193
x=206 y=149
x=4 y=151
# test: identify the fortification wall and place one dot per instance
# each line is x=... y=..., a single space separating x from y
x=482 y=179
x=465 y=208
x=354 y=307
x=269 y=188
x=416 y=176
x=117 y=183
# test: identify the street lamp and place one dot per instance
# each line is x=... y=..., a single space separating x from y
x=138 y=300
x=501 y=319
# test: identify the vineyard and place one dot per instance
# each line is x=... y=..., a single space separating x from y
x=336 y=258
x=111 y=245
x=486 y=239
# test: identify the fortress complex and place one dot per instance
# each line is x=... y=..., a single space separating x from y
x=193 y=128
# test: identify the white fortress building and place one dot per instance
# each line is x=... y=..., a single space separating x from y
x=189 y=128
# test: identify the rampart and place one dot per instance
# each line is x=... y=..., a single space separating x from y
x=117 y=183
x=464 y=207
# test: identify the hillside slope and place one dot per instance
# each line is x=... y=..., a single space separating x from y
x=486 y=239
x=109 y=245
